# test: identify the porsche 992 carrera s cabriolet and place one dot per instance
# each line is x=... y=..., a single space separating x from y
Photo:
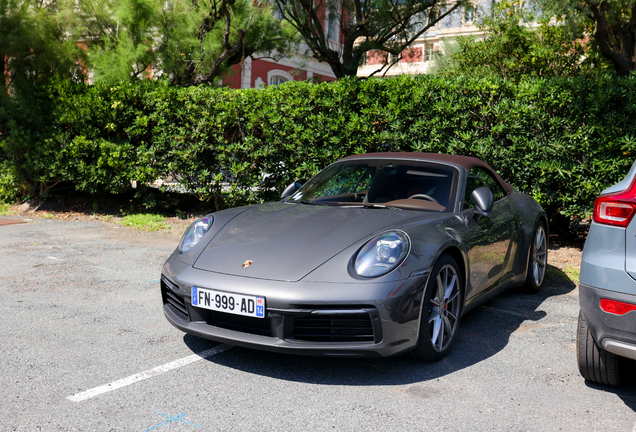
x=376 y=255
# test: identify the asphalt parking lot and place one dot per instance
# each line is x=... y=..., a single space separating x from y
x=85 y=347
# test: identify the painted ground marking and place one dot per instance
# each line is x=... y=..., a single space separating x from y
x=171 y=419
x=96 y=391
x=105 y=269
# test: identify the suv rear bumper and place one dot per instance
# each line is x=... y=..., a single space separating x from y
x=615 y=333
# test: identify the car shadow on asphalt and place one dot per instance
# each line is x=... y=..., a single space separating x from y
x=483 y=333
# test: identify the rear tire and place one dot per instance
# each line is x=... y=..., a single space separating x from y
x=537 y=259
x=595 y=363
x=441 y=311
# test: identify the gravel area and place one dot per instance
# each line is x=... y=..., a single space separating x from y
x=82 y=311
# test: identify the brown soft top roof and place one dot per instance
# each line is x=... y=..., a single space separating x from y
x=467 y=162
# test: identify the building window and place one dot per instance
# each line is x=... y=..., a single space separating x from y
x=412 y=55
x=276 y=80
x=332 y=29
x=469 y=14
x=429 y=52
x=375 y=57
x=277 y=76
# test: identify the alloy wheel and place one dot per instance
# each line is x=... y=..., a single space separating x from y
x=539 y=262
x=444 y=308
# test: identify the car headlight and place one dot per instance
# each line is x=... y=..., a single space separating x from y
x=382 y=254
x=194 y=233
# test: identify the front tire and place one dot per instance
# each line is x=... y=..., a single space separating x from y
x=441 y=311
x=595 y=363
x=537 y=259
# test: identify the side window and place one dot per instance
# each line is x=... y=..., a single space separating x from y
x=478 y=177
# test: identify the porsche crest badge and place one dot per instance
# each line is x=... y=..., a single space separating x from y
x=247 y=263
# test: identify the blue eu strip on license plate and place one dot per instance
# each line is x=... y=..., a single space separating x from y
x=232 y=303
x=195 y=297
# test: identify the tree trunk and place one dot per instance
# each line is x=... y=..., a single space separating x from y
x=617 y=42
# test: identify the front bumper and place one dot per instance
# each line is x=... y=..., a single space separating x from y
x=307 y=318
x=615 y=333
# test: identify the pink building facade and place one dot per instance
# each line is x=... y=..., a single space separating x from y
x=264 y=72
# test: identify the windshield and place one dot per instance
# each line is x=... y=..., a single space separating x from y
x=388 y=182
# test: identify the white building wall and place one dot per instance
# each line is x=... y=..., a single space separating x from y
x=444 y=32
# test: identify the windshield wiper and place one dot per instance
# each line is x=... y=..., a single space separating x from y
x=365 y=205
x=380 y=206
x=348 y=204
x=311 y=203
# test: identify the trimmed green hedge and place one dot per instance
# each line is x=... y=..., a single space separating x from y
x=561 y=140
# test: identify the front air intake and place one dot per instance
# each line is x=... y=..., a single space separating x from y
x=170 y=295
x=334 y=327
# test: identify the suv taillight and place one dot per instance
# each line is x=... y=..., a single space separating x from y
x=616 y=307
x=616 y=209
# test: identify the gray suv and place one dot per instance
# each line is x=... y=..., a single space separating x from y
x=606 y=342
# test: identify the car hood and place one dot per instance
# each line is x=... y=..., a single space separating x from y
x=284 y=241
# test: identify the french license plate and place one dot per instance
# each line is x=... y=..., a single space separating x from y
x=237 y=304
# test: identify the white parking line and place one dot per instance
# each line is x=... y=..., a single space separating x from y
x=106 y=269
x=96 y=391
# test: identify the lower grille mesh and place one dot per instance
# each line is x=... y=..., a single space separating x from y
x=170 y=297
x=334 y=328
x=258 y=326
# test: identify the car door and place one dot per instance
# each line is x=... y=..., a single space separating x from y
x=488 y=238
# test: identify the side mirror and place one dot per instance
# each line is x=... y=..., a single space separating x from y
x=291 y=189
x=483 y=199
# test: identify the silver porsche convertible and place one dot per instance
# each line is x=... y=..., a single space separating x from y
x=376 y=255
